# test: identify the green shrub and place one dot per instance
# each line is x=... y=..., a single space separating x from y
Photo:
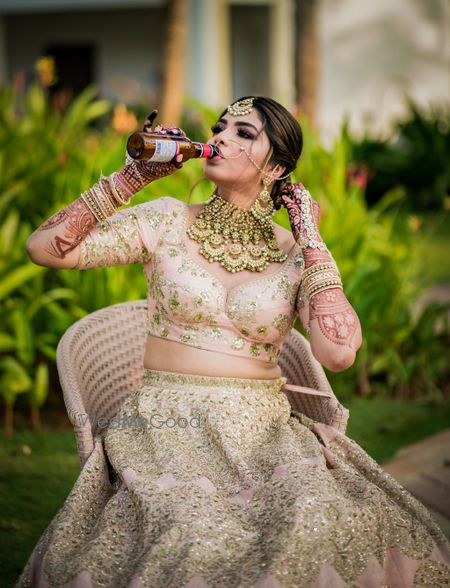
x=415 y=157
x=376 y=251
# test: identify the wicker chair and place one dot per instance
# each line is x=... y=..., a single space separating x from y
x=100 y=362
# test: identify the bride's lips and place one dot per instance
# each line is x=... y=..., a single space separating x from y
x=217 y=157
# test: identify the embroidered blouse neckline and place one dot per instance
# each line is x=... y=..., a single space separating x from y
x=228 y=292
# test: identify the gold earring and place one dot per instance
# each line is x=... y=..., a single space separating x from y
x=263 y=207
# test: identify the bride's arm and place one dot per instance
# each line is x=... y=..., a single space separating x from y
x=75 y=238
x=328 y=317
x=334 y=327
x=55 y=243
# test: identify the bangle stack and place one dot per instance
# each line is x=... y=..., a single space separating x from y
x=320 y=277
x=120 y=194
x=105 y=197
x=97 y=203
x=100 y=201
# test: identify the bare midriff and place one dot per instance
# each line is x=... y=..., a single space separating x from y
x=171 y=356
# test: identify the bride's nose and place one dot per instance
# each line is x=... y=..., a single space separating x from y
x=221 y=137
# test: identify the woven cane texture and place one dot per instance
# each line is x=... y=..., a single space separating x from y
x=300 y=367
x=100 y=362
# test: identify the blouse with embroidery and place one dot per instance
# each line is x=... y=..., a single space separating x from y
x=186 y=303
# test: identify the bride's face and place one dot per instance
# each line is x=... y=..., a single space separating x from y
x=237 y=138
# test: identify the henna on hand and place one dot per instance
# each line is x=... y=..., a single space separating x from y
x=304 y=214
x=336 y=318
x=138 y=173
x=77 y=219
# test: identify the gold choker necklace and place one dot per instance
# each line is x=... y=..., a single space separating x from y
x=230 y=234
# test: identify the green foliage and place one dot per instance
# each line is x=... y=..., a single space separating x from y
x=416 y=158
x=375 y=249
x=45 y=158
x=48 y=158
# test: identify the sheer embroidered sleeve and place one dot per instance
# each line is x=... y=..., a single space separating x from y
x=129 y=236
x=302 y=307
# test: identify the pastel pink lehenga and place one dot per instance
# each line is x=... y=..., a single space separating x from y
x=209 y=481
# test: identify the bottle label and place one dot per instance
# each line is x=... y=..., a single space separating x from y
x=165 y=150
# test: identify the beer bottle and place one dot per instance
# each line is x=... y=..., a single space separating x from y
x=155 y=147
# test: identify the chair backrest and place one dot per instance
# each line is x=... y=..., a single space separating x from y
x=100 y=362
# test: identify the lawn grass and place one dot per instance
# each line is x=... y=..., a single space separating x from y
x=34 y=483
x=383 y=425
x=32 y=488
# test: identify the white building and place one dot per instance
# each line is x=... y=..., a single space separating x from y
x=366 y=54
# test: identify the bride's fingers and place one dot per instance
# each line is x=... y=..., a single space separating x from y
x=176 y=131
x=177 y=163
x=150 y=118
x=160 y=129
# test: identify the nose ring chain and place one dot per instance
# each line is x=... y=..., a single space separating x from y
x=242 y=149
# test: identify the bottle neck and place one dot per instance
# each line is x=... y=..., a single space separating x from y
x=205 y=150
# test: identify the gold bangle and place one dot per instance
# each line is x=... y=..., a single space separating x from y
x=325 y=286
x=85 y=200
x=324 y=280
x=319 y=275
x=106 y=199
x=114 y=190
x=313 y=280
x=95 y=194
x=117 y=191
x=94 y=204
x=319 y=267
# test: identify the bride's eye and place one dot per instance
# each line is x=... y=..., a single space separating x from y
x=216 y=129
x=245 y=135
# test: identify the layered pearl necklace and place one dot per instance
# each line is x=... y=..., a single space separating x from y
x=230 y=234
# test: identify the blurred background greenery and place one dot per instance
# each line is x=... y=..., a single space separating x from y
x=389 y=246
x=385 y=216
x=390 y=249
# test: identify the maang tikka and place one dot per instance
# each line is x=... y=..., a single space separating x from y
x=241 y=107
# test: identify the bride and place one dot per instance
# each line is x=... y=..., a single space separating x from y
x=237 y=491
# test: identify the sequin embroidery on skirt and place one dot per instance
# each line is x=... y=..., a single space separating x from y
x=208 y=481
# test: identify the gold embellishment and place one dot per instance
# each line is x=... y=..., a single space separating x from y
x=176 y=302
x=114 y=241
x=205 y=465
x=230 y=234
x=159 y=377
x=241 y=107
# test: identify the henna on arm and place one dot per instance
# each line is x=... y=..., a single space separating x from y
x=333 y=325
x=69 y=227
x=337 y=319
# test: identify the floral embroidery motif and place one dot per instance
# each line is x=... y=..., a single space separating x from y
x=186 y=303
x=282 y=322
x=189 y=303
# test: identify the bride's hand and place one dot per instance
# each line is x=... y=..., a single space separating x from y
x=303 y=210
x=152 y=170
